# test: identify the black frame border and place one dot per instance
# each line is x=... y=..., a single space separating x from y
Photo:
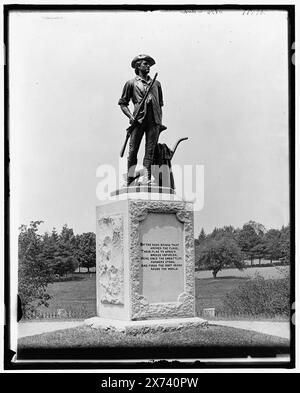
x=136 y=363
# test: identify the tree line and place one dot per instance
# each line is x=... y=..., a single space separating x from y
x=44 y=258
x=48 y=257
x=229 y=246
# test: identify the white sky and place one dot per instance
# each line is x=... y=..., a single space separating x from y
x=224 y=79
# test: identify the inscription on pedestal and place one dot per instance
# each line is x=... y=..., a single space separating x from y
x=160 y=256
x=162 y=267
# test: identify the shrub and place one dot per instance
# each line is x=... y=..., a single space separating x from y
x=259 y=296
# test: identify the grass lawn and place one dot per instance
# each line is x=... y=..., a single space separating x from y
x=79 y=296
x=210 y=292
x=87 y=337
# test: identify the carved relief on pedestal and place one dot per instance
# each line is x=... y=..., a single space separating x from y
x=111 y=259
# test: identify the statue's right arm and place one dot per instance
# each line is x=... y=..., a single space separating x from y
x=126 y=111
x=125 y=99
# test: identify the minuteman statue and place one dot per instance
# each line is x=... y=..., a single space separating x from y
x=149 y=117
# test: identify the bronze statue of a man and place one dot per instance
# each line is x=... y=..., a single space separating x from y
x=149 y=119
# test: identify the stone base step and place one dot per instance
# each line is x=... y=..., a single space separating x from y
x=146 y=326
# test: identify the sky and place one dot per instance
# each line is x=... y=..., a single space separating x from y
x=225 y=85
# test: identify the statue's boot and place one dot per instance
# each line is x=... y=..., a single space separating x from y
x=146 y=181
x=130 y=180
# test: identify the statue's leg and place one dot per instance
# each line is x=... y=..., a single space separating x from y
x=134 y=145
x=152 y=134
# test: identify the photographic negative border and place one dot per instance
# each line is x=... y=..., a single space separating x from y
x=83 y=359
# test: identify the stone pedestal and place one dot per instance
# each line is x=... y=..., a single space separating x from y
x=145 y=261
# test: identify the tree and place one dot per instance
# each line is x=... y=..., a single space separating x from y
x=60 y=251
x=66 y=261
x=50 y=250
x=227 y=232
x=272 y=244
x=67 y=249
x=201 y=238
x=284 y=244
x=87 y=250
x=249 y=237
x=217 y=254
x=33 y=272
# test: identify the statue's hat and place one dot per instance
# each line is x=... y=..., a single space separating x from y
x=150 y=60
